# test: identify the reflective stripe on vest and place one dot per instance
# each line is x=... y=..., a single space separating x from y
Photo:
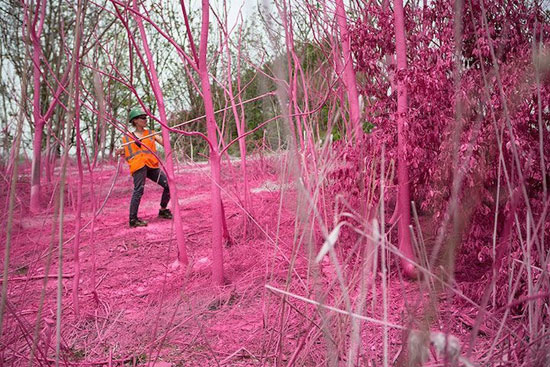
x=131 y=153
x=128 y=151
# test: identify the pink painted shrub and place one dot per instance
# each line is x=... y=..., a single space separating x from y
x=445 y=146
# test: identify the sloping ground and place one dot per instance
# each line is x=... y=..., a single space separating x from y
x=136 y=308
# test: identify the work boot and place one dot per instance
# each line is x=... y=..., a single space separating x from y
x=137 y=223
x=165 y=214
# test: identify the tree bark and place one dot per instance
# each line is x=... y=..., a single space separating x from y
x=403 y=196
x=349 y=73
x=35 y=33
x=76 y=243
x=215 y=169
x=240 y=124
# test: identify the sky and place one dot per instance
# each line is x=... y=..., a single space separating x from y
x=234 y=7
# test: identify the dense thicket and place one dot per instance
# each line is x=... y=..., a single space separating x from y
x=478 y=123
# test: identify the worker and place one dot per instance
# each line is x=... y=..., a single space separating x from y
x=138 y=148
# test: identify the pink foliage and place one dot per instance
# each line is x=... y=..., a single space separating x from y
x=432 y=130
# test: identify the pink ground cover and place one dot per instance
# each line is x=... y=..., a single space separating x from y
x=142 y=309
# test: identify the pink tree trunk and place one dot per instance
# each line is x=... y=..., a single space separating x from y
x=403 y=196
x=240 y=123
x=215 y=199
x=39 y=121
x=169 y=163
x=76 y=243
x=72 y=112
x=349 y=73
x=35 y=32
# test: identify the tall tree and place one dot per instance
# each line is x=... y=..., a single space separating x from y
x=215 y=169
x=36 y=31
x=37 y=14
x=403 y=196
x=349 y=78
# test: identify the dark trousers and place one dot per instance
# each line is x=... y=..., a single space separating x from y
x=154 y=174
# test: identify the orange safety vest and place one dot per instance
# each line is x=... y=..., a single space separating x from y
x=139 y=157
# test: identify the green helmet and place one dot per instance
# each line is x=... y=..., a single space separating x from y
x=135 y=112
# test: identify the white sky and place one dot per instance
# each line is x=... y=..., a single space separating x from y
x=233 y=7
